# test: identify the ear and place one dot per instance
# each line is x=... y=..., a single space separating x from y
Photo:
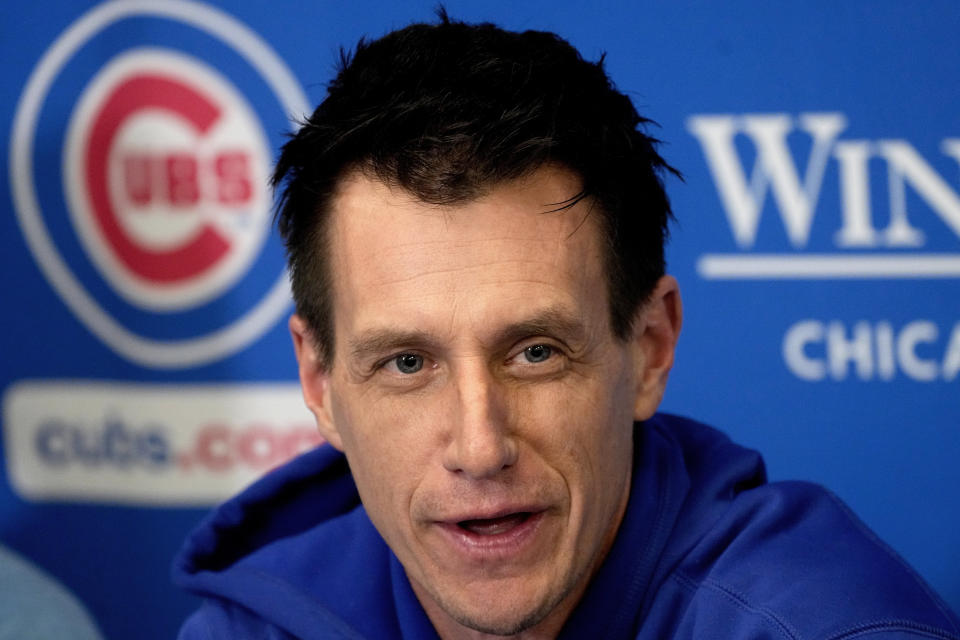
x=655 y=332
x=314 y=380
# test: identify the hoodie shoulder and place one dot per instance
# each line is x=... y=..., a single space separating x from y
x=217 y=619
x=755 y=559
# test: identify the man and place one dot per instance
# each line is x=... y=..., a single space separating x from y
x=484 y=329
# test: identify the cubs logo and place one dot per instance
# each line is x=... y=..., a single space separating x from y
x=154 y=226
x=166 y=175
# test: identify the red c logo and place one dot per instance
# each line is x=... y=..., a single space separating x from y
x=132 y=95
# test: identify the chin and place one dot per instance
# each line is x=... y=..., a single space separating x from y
x=500 y=623
x=502 y=612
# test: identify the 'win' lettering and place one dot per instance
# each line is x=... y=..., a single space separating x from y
x=796 y=196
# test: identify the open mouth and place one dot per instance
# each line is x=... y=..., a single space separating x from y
x=506 y=538
x=495 y=526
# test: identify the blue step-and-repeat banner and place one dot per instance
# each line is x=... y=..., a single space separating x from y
x=146 y=371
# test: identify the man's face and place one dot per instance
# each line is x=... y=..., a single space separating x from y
x=482 y=401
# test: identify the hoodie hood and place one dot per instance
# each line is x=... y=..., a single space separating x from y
x=286 y=549
x=706 y=548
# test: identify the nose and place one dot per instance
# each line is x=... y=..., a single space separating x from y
x=481 y=442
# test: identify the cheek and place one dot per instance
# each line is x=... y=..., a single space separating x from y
x=387 y=446
x=582 y=427
x=589 y=408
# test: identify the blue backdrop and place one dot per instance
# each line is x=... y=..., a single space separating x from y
x=146 y=370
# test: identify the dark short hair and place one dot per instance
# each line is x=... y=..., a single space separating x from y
x=449 y=110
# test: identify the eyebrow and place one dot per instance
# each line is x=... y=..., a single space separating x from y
x=553 y=321
x=377 y=341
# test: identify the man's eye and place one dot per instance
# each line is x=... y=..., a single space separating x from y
x=408 y=363
x=537 y=353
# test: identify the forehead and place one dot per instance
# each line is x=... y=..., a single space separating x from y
x=395 y=259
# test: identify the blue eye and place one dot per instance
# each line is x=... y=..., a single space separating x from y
x=537 y=353
x=408 y=363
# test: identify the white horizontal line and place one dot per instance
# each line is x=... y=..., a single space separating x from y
x=828 y=266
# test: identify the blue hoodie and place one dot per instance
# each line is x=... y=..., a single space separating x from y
x=707 y=549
